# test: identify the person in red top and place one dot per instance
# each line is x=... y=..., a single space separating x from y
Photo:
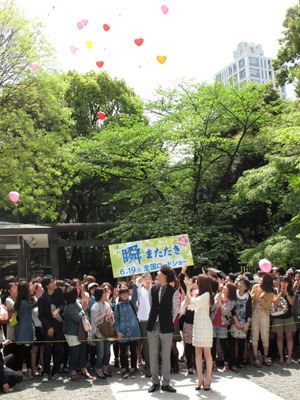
x=225 y=302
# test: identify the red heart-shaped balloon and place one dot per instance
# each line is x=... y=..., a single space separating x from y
x=101 y=115
x=100 y=64
x=84 y=22
x=79 y=25
x=139 y=42
x=106 y=27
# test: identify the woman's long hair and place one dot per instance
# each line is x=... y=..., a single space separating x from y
x=289 y=288
x=231 y=291
x=204 y=285
x=23 y=294
x=267 y=283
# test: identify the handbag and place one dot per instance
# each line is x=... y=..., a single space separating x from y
x=238 y=333
x=280 y=309
x=14 y=320
x=82 y=334
x=107 y=329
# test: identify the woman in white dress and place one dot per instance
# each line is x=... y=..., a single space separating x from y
x=202 y=328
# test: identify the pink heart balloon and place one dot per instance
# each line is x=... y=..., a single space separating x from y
x=164 y=9
x=34 y=66
x=73 y=49
x=84 y=22
x=79 y=25
x=13 y=196
x=265 y=265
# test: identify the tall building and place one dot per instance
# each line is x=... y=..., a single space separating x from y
x=250 y=64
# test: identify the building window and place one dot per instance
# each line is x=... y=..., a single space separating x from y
x=230 y=71
x=254 y=61
x=270 y=75
x=241 y=63
x=265 y=64
x=254 y=72
x=242 y=74
x=255 y=81
x=219 y=77
x=269 y=64
x=266 y=76
x=234 y=68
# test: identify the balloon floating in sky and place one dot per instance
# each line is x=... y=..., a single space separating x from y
x=265 y=265
x=106 y=27
x=161 y=59
x=89 y=44
x=100 y=64
x=101 y=115
x=139 y=42
x=164 y=9
x=73 y=49
x=13 y=196
x=84 y=22
x=80 y=25
x=34 y=66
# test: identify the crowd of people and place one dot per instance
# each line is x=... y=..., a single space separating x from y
x=54 y=327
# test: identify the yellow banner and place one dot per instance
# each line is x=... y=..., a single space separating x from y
x=149 y=255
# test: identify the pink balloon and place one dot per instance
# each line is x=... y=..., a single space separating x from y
x=265 y=265
x=73 y=49
x=34 y=66
x=13 y=196
x=79 y=25
x=164 y=9
x=84 y=22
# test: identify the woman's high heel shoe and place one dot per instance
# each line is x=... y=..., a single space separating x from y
x=199 y=386
x=206 y=386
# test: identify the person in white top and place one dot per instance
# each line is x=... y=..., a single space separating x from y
x=202 y=327
x=144 y=284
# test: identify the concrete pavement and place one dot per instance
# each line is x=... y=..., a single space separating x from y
x=224 y=386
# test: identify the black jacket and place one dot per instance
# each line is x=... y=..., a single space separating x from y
x=163 y=309
x=44 y=306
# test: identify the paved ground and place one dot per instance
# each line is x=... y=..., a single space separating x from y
x=267 y=383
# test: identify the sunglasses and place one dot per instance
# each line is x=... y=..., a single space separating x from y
x=123 y=292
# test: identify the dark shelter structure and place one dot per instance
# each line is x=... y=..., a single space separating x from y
x=17 y=240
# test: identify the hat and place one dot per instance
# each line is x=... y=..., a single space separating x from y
x=91 y=285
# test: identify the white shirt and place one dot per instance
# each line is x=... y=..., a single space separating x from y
x=144 y=302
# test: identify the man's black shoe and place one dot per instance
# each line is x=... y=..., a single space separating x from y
x=168 y=388
x=153 y=388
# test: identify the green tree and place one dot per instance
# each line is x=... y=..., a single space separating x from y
x=21 y=43
x=288 y=57
x=176 y=175
x=91 y=92
x=275 y=188
x=34 y=127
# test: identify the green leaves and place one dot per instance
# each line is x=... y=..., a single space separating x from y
x=287 y=62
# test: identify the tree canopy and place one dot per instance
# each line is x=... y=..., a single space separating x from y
x=288 y=57
x=217 y=162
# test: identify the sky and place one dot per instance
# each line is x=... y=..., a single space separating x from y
x=197 y=37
